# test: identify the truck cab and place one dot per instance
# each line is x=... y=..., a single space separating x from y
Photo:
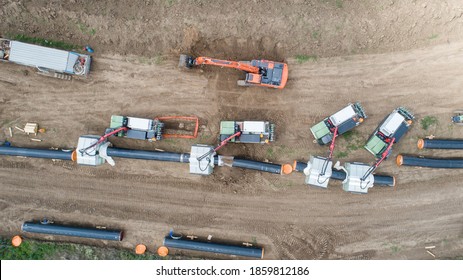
x=260 y=132
x=344 y=120
x=392 y=128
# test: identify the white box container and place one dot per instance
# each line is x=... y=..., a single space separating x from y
x=139 y=124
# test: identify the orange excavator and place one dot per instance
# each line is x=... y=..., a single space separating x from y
x=262 y=73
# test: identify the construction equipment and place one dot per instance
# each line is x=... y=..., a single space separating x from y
x=154 y=129
x=384 y=155
x=457 y=118
x=102 y=139
x=48 y=61
x=262 y=73
x=342 y=121
x=222 y=143
x=319 y=169
x=251 y=131
x=136 y=128
x=390 y=131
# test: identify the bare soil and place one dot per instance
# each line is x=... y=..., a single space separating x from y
x=384 y=54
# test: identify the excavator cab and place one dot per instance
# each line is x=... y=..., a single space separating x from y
x=271 y=74
x=252 y=79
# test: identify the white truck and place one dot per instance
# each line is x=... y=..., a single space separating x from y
x=48 y=61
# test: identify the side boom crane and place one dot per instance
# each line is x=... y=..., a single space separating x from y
x=223 y=143
x=104 y=137
x=384 y=155
x=332 y=145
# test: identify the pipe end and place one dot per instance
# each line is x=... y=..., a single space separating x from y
x=16 y=241
x=140 y=249
x=399 y=160
x=74 y=155
x=286 y=169
x=163 y=251
x=420 y=144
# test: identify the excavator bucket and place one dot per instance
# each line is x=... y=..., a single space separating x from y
x=185 y=61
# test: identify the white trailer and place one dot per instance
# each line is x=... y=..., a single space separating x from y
x=46 y=60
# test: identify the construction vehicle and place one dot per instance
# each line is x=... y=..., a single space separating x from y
x=153 y=129
x=262 y=73
x=390 y=131
x=251 y=131
x=137 y=128
x=457 y=118
x=48 y=61
x=339 y=123
x=319 y=169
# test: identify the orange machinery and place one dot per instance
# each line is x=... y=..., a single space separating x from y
x=263 y=73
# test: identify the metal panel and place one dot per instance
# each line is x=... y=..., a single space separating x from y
x=72 y=59
x=139 y=123
x=38 y=56
x=136 y=134
x=354 y=182
x=249 y=138
x=319 y=130
x=318 y=165
x=392 y=123
x=253 y=127
x=343 y=115
x=204 y=166
x=227 y=127
x=90 y=156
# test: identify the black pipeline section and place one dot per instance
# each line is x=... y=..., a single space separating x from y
x=35 y=153
x=145 y=155
x=429 y=162
x=257 y=165
x=148 y=155
x=54 y=229
x=440 y=144
x=380 y=180
x=251 y=252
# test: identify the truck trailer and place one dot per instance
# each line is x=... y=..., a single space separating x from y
x=48 y=61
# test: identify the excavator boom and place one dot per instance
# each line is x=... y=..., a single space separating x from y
x=226 y=63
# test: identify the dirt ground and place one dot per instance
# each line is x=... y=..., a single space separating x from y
x=384 y=54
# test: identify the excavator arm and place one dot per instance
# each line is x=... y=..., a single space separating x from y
x=226 y=63
x=189 y=61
